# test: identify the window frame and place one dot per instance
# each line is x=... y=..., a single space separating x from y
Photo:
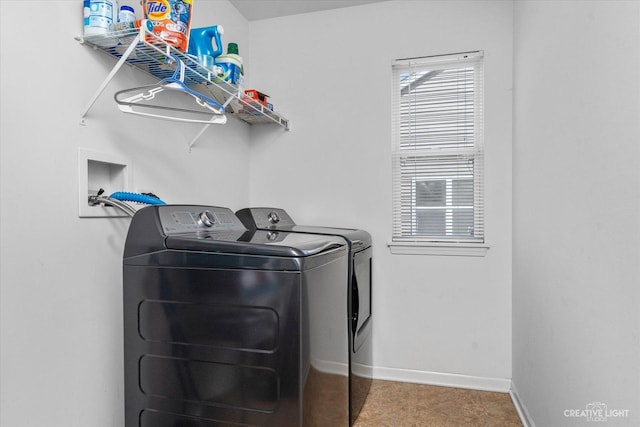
x=439 y=245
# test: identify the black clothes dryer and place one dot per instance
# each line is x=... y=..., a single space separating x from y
x=229 y=327
x=358 y=282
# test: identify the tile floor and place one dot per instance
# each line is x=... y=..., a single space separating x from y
x=396 y=404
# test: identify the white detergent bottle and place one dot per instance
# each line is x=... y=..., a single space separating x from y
x=231 y=64
x=126 y=17
x=99 y=16
x=100 y=19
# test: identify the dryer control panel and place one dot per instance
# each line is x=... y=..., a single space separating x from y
x=191 y=218
x=265 y=218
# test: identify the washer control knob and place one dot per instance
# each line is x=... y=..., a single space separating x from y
x=207 y=219
x=273 y=217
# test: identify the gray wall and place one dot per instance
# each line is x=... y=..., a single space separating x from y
x=576 y=174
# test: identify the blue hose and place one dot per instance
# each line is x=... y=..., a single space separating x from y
x=137 y=198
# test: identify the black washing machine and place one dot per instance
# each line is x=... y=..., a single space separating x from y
x=225 y=326
x=359 y=285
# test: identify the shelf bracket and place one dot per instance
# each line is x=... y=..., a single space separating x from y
x=109 y=77
x=205 y=127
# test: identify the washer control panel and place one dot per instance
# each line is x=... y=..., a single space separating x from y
x=176 y=219
x=207 y=218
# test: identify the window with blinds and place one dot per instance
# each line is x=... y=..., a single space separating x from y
x=437 y=149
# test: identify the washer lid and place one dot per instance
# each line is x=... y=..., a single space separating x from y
x=278 y=219
x=356 y=238
x=258 y=242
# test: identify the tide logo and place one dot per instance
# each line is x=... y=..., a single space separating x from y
x=158 y=10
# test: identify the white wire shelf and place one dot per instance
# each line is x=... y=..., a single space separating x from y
x=129 y=46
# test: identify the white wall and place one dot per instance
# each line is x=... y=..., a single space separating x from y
x=576 y=264
x=61 y=297
x=437 y=318
x=330 y=74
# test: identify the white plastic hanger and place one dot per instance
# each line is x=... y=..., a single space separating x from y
x=210 y=112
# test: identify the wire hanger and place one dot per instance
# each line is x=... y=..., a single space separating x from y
x=210 y=112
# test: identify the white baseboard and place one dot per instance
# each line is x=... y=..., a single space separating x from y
x=330 y=367
x=502 y=385
x=522 y=410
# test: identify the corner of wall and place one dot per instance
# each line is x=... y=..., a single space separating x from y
x=520 y=407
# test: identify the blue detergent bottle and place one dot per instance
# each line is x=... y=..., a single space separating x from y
x=201 y=46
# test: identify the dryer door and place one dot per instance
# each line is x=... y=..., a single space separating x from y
x=360 y=297
x=361 y=326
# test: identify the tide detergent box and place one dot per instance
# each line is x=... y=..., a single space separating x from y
x=170 y=20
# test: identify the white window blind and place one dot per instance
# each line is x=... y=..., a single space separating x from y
x=437 y=128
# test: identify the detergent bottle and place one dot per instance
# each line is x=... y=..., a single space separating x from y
x=126 y=17
x=201 y=44
x=231 y=64
x=99 y=16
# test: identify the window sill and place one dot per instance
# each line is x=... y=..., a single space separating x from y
x=446 y=249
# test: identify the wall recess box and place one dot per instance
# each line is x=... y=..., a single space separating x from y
x=101 y=170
